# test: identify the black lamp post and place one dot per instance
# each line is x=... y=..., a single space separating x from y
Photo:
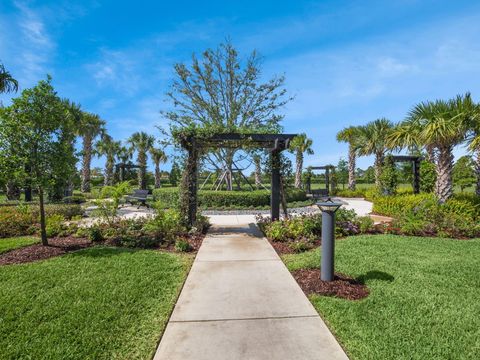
x=328 y=208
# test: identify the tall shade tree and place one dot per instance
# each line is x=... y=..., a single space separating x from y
x=299 y=146
x=351 y=136
x=109 y=148
x=373 y=141
x=38 y=129
x=257 y=160
x=158 y=156
x=7 y=81
x=222 y=92
x=141 y=142
x=438 y=125
x=90 y=127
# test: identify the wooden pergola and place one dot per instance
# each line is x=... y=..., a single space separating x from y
x=415 y=160
x=275 y=143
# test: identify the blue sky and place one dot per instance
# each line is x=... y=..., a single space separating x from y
x=346 y=62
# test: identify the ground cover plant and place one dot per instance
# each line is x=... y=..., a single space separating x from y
x=422 y=214
x=97 y=303
x=423 y=302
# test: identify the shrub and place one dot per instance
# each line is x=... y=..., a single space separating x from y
x=169 y=197
x=276 y=231
x=54 y=225
x=365 y=224
x=182 y=246
x=351 y=193
x=95 y=234
x=300 y=246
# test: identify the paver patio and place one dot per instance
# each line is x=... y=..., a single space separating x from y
x=240 y=302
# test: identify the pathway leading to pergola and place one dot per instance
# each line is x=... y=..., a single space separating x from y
x=240 y=302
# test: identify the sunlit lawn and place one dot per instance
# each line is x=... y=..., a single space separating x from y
x=98 y=303
x=16 y=242
x=424 y=301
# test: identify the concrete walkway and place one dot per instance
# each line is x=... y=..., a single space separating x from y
x=240 y=302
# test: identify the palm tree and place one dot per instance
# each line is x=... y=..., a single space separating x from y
x=439 y=126
x=300 y=145
x=110 y=149
x=158 y=156
x=373 y=141
x=124 y=155
x=350 y=135
x=7 y=82
x=473 y=125
x=90 y=126
x=141 y=142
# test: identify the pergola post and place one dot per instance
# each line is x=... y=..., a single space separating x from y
x=275 y=186
x=416 y=176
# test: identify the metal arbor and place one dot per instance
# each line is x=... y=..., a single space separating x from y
x=321 y=192
x=415 y=160
x=275 y=143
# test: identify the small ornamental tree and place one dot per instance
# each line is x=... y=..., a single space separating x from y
x=463 y=172
x=38 y=129
x=428 y=176
x=175 y=174
x=389 y=177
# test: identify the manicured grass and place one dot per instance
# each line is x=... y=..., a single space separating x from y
x=424 y=301
x=98 y=303
x=8 y=244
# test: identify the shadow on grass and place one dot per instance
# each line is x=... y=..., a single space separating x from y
x=375 y=275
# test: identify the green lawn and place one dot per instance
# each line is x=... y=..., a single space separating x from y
x=424 y=301
x=16 y=242
x=98 y=303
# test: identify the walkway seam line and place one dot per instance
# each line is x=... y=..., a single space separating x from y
x=247 y=319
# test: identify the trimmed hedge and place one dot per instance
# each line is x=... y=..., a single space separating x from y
x=395 y=205
x=224 y=199
x=24 y=219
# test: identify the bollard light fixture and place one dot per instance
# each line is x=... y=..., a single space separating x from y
x=329 y=205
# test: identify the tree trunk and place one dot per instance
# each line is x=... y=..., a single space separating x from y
x=86 y=163
x=298 y=170
x=351 y=168
x=430 y=153
x=477 y=171
x=108 y=176
x=158 y=184
x=13 y=191
x=229 y=164
x=378 y=169
x=283 y=198
x=142 y=171
x=444 y=166
x=43 y=225
x=258 y=172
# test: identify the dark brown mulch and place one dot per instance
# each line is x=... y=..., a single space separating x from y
x=342 y=286
x=56 y=247
x=282 y=247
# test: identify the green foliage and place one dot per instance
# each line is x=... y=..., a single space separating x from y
x=423 y=215
x=463 y=173
x=54 y=225
x=169 y=197
x=16 y=242
x=24 y=219
x=182 y=246
x=428 y=176
x=358 y=193
x=95 y=233
x=109 y=200
x=389 y=177
x=74 y=199
x=341 y=172
x=175 y=174
x=300 y=246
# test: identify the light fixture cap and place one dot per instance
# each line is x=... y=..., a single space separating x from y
x=329 y=205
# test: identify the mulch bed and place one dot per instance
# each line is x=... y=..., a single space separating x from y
x=342 y=286
x=282 y=247
x=56 y=247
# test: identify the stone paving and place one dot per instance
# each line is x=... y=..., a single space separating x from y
x=240 y=302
